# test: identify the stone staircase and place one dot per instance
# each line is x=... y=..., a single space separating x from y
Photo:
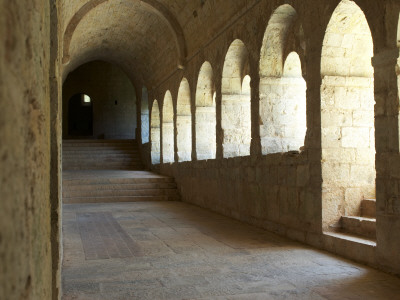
x=117 y=186
x=102 y=171
x=101 y=155
x=364 y=225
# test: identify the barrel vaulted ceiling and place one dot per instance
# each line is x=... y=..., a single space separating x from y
x=148 y=39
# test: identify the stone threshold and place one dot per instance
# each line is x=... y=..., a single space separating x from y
x=351 y=238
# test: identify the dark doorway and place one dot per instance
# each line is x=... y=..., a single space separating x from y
x=80 y=116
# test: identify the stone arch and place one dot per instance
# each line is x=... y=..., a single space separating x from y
x=205 y=114
x=348 y=46
x=184 y=122
x=246 y=89
x=156 y=6
x=282 y=87
x=145 y=116
x=236 y=109
x=347 y=115
x=155 y=133
x=168 y=129
x=292 y=66
x=275 y=37
x=98 y=78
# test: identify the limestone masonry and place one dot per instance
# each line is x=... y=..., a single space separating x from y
x=281 y=114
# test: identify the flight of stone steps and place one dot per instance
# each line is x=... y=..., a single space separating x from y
x=103 y=171
x=364 y=225
x=101 y=155
x=117 y=186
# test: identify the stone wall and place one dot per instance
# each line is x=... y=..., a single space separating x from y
x=25 y=244
x=167 y=137
x=280 y=191
x=235 y=106
x=282 y=114
x=205 y=115
x=184 y=123
x=155 y=135
x=105 y=84
x=348 y=145
x=144 y=116
x=283 y=191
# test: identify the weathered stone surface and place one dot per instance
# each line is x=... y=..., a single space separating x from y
x=172 y=250
x=113 y=99
x=157 y=44
x=25 y=247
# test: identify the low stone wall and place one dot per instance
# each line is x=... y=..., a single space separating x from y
x=261 y=191
x=277 y=192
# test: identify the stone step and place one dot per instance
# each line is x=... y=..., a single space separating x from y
x=118 y=199
x=100 y=150
x=94 y=158
x=110 y=171
x=104 y=167
x=93 y=155
x=119 y=193
x=102 y=143
x=116 y=146
x=97 y=159
x=99 y=164
x=67 y=155
x=368 y=208
x=359 y=226
x=138 y=186
x=108 y=161
x=108 y=145
x=98 y=142
x=105 y=164
x=86 y=140
x=103 y=181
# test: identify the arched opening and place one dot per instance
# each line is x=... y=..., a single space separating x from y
x=347 y=116
x=114 y=109
x=282 y=87
x=236 y=114
x=205 y=114
x=80 y=116
x=184 y=122
x=155 y=134
x=145 y=116
x=168 y=129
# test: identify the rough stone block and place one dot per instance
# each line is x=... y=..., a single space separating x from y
x=303 y=175
x=355 y=137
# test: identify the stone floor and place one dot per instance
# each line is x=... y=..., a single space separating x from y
x=172 y=250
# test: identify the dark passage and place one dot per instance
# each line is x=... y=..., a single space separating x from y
x=80 y=116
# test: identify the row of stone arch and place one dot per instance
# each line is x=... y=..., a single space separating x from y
x=282 y=102
x=205 y=121
x=347 y=107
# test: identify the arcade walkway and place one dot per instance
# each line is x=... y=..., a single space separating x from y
x=172 y=250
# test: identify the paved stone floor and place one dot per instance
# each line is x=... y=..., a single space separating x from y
x=172 y=250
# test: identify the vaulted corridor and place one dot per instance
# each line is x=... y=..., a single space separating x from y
x=171 y=149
